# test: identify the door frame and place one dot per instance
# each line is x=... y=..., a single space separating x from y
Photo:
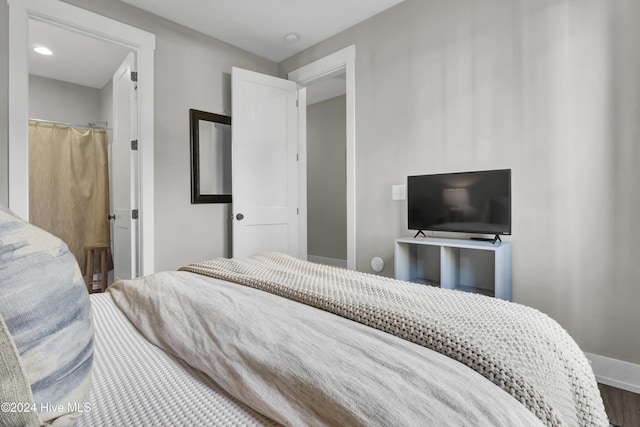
x=73 y=18
x=342 y=61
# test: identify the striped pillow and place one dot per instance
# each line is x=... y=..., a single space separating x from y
x=45 y=316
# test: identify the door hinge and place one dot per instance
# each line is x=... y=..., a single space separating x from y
x=134 y=76
x=297 y=157
x=297 y=211
x=134 y=214
x=297 y=103
x=134 y=145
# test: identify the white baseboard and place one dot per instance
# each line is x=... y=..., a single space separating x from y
x=615 y=373
x=327 y=261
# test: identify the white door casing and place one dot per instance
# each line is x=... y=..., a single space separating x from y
x=125 y=171
x=265 y=170
x=342 y=61
x=74 y=18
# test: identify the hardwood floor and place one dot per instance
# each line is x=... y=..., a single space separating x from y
x=623 y=407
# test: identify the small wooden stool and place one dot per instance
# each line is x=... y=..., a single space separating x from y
x=94 y=251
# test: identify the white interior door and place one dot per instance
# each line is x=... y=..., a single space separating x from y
x=265 y=167
x=125 y=171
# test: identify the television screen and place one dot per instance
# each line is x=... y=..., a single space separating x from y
x=467 y=202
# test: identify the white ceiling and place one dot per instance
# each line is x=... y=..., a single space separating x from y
x=260 y=26
x=327 y=88
x=76 y=58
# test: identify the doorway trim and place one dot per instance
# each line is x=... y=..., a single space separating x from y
x=85 y=22
x=342 y=61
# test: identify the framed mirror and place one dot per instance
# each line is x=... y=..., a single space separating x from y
x=210 y=157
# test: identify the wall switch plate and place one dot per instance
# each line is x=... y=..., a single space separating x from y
x=399 y=192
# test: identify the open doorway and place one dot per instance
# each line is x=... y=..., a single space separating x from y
x=71 y=103
x=78 y=20
x=338 y=69
x=326 y=171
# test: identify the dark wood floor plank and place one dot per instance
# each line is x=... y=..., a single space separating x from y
x=613 y=404
x=631 y=403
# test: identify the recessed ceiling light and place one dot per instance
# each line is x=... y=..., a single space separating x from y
x=43 y=50
x=291 y=38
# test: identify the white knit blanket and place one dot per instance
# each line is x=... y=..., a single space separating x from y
x=521 y=350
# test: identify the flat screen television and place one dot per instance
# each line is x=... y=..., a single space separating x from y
x=465 y=202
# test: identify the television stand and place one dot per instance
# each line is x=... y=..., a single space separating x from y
x=419 y=233
x=469 y=266
x=488 y=239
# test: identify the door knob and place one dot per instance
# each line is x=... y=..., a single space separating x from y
x=239 y=217
x=112 y=217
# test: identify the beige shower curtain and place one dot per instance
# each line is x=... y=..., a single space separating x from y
x=69 y=185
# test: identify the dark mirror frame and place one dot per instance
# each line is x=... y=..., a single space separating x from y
x=194 y=123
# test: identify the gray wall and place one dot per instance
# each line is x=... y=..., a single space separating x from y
x=547 y=88
x=326 y=179
x=63 y=102
x=191 y=71
x=4 y=103
x=106 y=103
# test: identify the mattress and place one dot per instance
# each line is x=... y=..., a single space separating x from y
x=135 y=383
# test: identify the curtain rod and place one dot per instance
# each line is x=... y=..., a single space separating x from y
x=85 y=126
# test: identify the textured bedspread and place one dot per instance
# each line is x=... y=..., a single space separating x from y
x=134 y=383
x=301 y=366
x=521 y=350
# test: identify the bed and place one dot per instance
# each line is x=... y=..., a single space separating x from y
x=272 y=340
